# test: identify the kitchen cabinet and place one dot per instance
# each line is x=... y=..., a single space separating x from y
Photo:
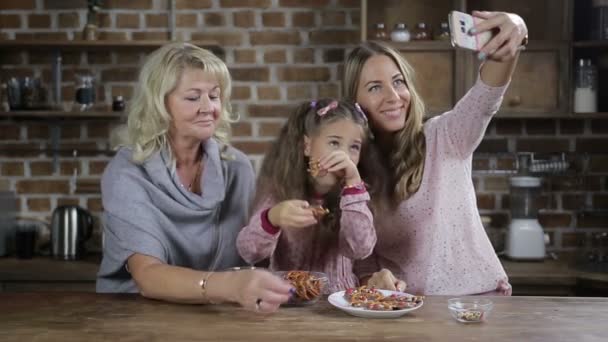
x=542 y=83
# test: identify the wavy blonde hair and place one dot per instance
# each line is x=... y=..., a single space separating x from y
x=405 y=160
x=148 y=119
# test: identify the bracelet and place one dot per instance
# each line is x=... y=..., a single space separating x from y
x=359 y=186
x=203 y=285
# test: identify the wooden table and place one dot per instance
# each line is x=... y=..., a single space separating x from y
x=93 y=317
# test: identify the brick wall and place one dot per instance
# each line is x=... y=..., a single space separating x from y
x=280 y=52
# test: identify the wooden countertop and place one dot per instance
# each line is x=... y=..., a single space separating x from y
x=96 y=317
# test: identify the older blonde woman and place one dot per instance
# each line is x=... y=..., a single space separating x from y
x=176 y=195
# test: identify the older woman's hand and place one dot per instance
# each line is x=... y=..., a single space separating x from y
x=385 y=280
x=511 y=33
x=260 y=291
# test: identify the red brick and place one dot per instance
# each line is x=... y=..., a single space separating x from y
x=246 y=3
x=99 y=58
x=20 y=149
x=305 y=55
x=542 y=145
x=599 y=126
x=131 y=4
x=600 y=201
x=125 y=91
x=42 y=187
x=273 y=19
x=303 y=3
x=334 y=37
x=38 y=204
x=9 y=131
x=10 y=21
x=333 y=56
x=573 y=239
x=193 y=4
x=506 y=163
x=38 y=131
x=493 y=146
x=88 y=186
x=163 y=35
x=275 y=38
x=300 y=92
x=333 y=18
x=186 y=20
x=252 y=74
x=252 y=147
x=269 y=93
x=244 y=19
x=331 y=90
x=508 y=127
x=540 y=126
x=571 y=126
x=121 y=36
x=119 y=75
x=67 y=201
x=270 y=111
x=588 y=220
x=573 y=202
x=215 y=19
x=355 y=4
x=12 y=168
x=303 y=19
x=496 y=183
x=156 y=21
x=124 y=57
x=46 y=36
x=244 y=56
x=270 y=129
x=41 y=168
x=499 y=219
x=303 y=74
x=241 y=93
x=64 y=4
x=82 y=148
x=11 y=57
x=554 y=219
x=481 y=164
x=222 y=38
x=96 y=167
x=68 y=20
x=241 y=129
x=94 y=204
x=592 y=145
x=66 y=168
x=590 y=183
x=70 y=131
x=39 y=21
x=17 y=4
x=598 y=163
x=486 y=201
x=127 y=20
x=275 y=56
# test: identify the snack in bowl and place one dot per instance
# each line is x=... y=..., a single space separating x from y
x=309 y=286
x=470 y=310
x=319 y=211
x=372 y=299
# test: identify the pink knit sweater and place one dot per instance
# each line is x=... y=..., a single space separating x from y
x=435 y=241
x=302 y=249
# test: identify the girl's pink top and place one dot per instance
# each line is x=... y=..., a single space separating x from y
x=302 y=249
x=435 y=241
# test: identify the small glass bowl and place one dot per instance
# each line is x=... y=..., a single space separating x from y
x=470 y=309
x=298 y=300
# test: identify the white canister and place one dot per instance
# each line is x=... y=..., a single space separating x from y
x=400 y=33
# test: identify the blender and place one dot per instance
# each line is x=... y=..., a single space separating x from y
x=525 y=237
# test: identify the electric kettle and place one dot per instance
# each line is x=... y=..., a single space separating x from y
x=71 y=227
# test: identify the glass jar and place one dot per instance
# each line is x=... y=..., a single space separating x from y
x=444 y=32
x=585 y=87
x=422 y=32
x=380 y=32
x=400 y=33
x=85 y=91
x=118 y=105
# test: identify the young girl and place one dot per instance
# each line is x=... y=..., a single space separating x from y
x=310 y=211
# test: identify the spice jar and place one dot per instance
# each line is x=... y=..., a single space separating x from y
x=444 y=32
x=85 y=91
x=380 y=32
x=422 y=32
x=118 y=104
x=585 y=90
x=400 y=33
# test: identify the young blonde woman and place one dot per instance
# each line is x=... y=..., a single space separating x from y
x=176 y=196
x=430 y=234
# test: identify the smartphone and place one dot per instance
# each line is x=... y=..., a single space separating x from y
x=460 y=23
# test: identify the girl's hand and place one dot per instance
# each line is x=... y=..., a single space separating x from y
x=259 y=290
x=511 y=33
x=339 y=163
x=292 y=214
x=385 y=280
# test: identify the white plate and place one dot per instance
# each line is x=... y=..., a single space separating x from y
x=337 y=299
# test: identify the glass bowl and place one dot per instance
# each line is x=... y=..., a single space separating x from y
x=470 y=309
x=309 y=286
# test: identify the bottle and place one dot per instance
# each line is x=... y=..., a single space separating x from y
x=585 y=89
x=400 y=33
x=380 y=32
x=4 y=106
x=444 y=32
x=421 y=32
x=85 y=91
x=118 y=105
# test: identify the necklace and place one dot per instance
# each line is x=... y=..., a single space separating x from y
x=196 y=174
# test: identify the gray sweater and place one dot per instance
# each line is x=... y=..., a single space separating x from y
x=148 y=211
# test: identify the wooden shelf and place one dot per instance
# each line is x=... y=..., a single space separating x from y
x=591 y=44
x=98 y=44
x=56 y=114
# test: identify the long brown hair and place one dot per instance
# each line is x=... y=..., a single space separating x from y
x=284 y=174
x=404 y=161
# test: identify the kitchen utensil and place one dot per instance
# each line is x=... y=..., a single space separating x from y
x=71 y=227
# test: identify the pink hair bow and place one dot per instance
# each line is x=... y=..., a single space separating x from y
x=332 y=105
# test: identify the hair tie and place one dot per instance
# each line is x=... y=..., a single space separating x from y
x=332 y=105
x=360 y=111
